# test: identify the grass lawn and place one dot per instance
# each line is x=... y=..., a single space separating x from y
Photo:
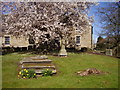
x=66 y=76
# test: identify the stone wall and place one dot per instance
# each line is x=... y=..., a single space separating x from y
x=85 y=38
x=16 y=41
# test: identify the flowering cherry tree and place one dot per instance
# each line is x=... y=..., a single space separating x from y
x=45 y=21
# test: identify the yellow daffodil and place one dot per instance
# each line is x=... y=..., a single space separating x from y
x=24 y=69
x=19 y=72
x=53 y=71
x=34 y=74
x=47 y=69
x=18 y=75
x=23 y=77
x=27 y=74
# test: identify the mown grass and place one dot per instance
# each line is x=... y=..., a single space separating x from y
x=66 y=76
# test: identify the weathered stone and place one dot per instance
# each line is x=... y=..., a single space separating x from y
x=40 y=71
x=38 y=63
x=35 y=61
x=37 y=67
x=39 y=57
x=63 y=51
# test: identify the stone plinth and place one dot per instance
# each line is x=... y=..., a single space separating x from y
x=63 y=51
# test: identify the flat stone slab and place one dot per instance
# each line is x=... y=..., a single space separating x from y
x=39 y=57
x=40 y=71
x=35 y=61
x=37 y=67
x=38 y=64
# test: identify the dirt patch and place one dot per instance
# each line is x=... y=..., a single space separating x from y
x=90 y=71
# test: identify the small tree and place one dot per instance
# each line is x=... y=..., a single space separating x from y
x=101 y=43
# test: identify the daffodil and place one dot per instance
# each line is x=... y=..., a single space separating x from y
x=19 y=72
x=18 y=75
x=23 y=77
x=24 y=69
x=47 y=69
x=34 y=74
x=53 y=71
x=27 y=74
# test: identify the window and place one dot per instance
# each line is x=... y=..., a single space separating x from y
x=77 y=30
x=7 y=40
x=77 y=39
x=31 y=40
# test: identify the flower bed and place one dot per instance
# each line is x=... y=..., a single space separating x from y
x=27 y=74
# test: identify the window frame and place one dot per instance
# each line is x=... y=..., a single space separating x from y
x=76 y=39
x=7 y=40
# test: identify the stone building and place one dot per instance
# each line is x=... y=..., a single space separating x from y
x=79 y=40
x=82 y=40
x=12 y=41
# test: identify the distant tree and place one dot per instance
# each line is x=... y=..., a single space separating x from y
x=109 y=18
x=101 y=43
x=100 y=38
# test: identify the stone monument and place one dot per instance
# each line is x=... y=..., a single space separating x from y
x=63 y=50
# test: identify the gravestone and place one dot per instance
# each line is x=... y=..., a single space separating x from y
x=63 y=51
x=37 y=63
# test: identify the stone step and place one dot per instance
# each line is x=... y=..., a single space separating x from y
x=36 y=61
x=37 y=64
x=38 y=67
x=39 y=57
x=40 y=71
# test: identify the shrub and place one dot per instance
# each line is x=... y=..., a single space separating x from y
x=47 y=72
x=27 y=74
x=84 y=49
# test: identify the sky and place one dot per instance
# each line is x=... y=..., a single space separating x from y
x=96 y=24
